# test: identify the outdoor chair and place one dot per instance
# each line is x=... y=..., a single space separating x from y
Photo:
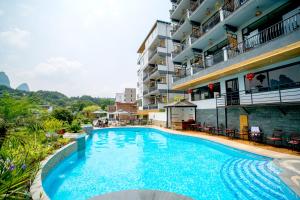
x=220 y=130
x=199 y=127
x=231 y=133
x=244 y=133
x=256 y=134
x=277 y=136
x=294 y=141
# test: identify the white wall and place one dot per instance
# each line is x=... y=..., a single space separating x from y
x=158 y=116
x=179 y=114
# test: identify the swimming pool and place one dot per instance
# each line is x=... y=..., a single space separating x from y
x=143 y=158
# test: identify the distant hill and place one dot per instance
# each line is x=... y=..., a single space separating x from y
x=23 y=87
x=57 y=99
x=4 y=80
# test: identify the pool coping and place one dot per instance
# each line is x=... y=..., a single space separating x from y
x=282 y=160
x=36 y=189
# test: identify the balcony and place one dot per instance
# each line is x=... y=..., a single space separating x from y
x=231 y=7
x=211 y=22
x=182 y=27
x=194 y=4
x=215 y=58
x=157 y=87
x=158 y=51
x=267 y=35
x=145 y=92
x=284 y=94
x=178 y=8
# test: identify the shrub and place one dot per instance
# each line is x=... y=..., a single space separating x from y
x=53 y=125
x=63 y=115
x=75 y=127
x=3 y=131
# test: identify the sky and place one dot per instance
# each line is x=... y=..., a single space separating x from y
x=77 y=47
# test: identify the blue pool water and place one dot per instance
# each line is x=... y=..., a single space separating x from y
x=143 y=158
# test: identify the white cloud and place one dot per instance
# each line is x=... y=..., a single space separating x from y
x=25 y=10
x=58 y=66
x=1 y=12
x=15 y=38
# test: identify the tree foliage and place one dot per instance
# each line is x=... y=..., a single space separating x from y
x=63 y=114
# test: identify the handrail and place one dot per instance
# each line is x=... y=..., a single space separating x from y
x=281 y=28
x=232 y=6
x=177 y=26
x=279 y=94
x=211 y=22
x=194 y=5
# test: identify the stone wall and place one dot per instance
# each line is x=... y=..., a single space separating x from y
x=267 y=118
x=159 y=123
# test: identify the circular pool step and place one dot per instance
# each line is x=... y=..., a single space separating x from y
x=141 y=195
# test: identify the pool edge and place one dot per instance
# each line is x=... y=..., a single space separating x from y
x=36 y=189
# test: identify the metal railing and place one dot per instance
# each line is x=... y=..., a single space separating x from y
x=145 y=92
x=152 y=54
x=277 y=30
x=150 y=107
x=211 y=22
x=196 y=33
x=177 y=26
x=178 y=48
x=281 y=94
x=194 y=5
x=232 y=6
x=197 y=64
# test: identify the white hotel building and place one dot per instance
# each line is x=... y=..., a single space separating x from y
x=240 y=61
x=156 y=69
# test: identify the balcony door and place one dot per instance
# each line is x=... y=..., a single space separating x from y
x=232 y=91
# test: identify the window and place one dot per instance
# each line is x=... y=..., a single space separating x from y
x=283 y=77
x=204 y=92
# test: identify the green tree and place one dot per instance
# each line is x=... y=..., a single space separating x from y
x=63 y=115
x=89 y=109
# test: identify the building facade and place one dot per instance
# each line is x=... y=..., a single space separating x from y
x=120 y=97
x=239 y=60
x=130 y=95
x=155 y=69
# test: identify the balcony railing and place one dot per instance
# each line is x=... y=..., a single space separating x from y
x=232 y=6
x=152 y=54
x=277 y=30
x=282 y=94
x=179 y=24
x=178 y=48
x=214 y=58
x=194 y=5
x=150 y=107
x=145 y=92
x=211 y=22
x=196 y=33
x=197 y=64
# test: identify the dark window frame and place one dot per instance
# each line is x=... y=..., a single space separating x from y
x=269 y=88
